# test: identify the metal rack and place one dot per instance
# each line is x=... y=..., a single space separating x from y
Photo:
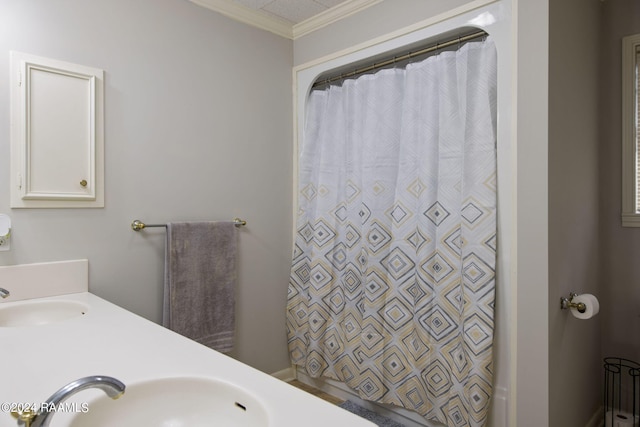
x=621 y=390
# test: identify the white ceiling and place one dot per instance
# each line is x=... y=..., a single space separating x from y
x=294 y=11
x=287 y=18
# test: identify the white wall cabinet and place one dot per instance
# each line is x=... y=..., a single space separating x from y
x=57 y=134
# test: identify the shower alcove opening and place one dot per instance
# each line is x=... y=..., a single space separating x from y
x=492 y=19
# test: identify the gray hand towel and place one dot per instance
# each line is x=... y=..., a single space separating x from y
x=200 y=276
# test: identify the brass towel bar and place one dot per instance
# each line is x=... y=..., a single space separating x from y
x=138 y=225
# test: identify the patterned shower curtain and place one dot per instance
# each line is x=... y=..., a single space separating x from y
x=393 y=275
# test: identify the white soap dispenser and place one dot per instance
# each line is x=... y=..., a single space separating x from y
x=5 y=232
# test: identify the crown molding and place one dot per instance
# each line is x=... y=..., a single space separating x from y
x=249 y=16
x=330 y=16
x=281 y=27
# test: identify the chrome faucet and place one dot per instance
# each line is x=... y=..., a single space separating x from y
x=111 y=386
x=4 y=293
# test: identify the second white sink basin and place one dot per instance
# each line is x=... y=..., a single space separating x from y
x=176 y=402
x=34 y=313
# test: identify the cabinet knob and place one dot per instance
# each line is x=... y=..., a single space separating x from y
x=83 y=182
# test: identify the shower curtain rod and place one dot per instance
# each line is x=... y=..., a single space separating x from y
x=378 y=65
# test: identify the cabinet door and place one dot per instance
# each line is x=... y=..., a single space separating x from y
x=57 y=129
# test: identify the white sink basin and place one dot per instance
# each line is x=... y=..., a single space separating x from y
x=175 y=402
x=34 y=313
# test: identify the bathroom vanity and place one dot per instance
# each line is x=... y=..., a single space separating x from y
x=52 y=340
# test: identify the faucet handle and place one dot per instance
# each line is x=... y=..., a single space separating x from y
x=24 y=417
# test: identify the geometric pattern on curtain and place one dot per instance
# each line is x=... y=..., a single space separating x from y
x=392 y=283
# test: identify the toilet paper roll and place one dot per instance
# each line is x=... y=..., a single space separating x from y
x=620 y=419
x=590 y=301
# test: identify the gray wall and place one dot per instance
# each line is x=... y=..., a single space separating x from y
x=575 y=368
x=620 y=247
x=197 y=127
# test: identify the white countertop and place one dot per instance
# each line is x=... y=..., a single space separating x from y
x=36 y=361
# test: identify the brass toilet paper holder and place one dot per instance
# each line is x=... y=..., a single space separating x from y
x=566 y=303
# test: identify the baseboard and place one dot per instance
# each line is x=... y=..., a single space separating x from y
x=286 y=375
x=341 y=390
